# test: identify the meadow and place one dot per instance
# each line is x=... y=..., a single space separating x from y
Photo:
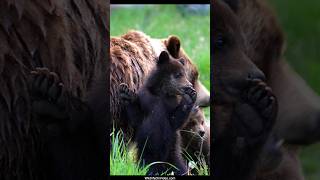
x=301 y=24
x=160 y=21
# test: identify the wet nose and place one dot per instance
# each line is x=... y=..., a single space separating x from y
x=257 y=74
x=201 y=133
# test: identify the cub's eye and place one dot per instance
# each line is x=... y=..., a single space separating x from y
x=178 y=75
x=202 y=122
x=220 y=41
x=192 y=123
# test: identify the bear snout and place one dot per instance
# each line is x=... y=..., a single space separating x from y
x=257 y=74
x=201 y=133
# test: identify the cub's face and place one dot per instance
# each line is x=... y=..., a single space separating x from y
x=196 y=124
x=173 y=74
x=232 y=67
x=173 y=46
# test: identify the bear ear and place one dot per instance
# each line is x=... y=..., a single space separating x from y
x=163 y=58
x=233 y=4
x=173 y=46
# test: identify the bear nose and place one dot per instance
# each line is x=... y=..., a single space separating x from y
x=201 y=133
x=257 y=74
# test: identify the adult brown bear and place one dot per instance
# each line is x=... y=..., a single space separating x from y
x=265 y=46
x=133 y=56
x=70 y=38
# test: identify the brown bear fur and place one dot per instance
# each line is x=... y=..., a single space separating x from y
x=132 y=58
x=68 y=37
x=242 y=123
x=159 y=110
x=196 y=136
x=265 y=46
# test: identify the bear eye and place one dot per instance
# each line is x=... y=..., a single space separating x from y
x=178 y=75
x=220 y=41
x=182 y=61
x=202 y=122
x=192 y=123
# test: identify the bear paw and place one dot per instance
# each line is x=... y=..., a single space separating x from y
x=260 y=96
x=48 y=92
x=46 y=84
x=190 y=94
x=255 y=116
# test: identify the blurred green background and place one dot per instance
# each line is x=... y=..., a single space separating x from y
x=301 y=22
x=160 y=21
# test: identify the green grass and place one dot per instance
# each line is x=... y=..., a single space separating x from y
x=123 y=160
x=160 y=21
x=301 y=23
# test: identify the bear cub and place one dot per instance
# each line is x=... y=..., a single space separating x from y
x=196 y=137
x=159 y=110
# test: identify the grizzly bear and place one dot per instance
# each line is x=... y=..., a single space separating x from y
x=133 y=56
x=162 y=105
x=196 y=137
x=265 y=46
x=68 y=37
x=244 y=106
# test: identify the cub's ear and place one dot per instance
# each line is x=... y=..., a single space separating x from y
x=163 y=58
x=173 y=46
x=233 y=4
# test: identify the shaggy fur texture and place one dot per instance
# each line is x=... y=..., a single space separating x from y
x=265 y=45
x=70 y=38
x=245 y=107
x=132 y=58
x=196 y=137
x=159 y=110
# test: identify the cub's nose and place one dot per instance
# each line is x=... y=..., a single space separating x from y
x=257 y=74
x=201 y=133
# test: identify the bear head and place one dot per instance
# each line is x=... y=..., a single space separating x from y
x=195 y=126
x=231 y=65
x=169 y=76
x=173 y=46
x=297 y=123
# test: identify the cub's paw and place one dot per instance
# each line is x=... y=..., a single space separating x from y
x=46 y=84
x=127 y=96
x=48 y=92
x=188 y=99
x=190 y=94
x=260 y=96
x=254 y=117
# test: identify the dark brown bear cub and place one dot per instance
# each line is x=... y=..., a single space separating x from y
x=159 y=110
x=196 y=137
